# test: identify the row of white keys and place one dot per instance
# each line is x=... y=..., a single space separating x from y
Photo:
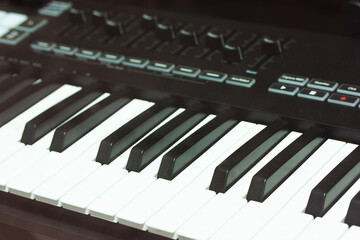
x=53 y=189
x=250 y=219
x=13 y=129
x=82 y=195
x=293 y=214
x=36 y=174
x=140 y=209
x=331 y=225
x=172 y=216
x=219 y=209
x=107 y=205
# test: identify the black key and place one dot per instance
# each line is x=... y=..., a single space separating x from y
x=82 y=124
x=186 y=152
x=15 y=105
x=57 y=114
x=16 y=79
x=4 y=67
x=243 y=159
x=353 y=214
x=16 y=88
x=273 y=174
x=124 y=137
x=156 y=143
x=334 y=185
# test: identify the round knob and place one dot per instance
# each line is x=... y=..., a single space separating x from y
x=232 y=52
x=114 y=27
x=188 y=36
x=149 y=22
x=165 y=31
x=77 y=16
x=98 y=17
x=271 y=46
x=215 y=40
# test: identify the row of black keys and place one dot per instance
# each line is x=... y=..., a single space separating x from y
x=16 y=94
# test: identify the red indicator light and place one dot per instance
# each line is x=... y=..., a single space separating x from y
x=343 y=98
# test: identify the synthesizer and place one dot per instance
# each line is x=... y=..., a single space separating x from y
x=121 y=122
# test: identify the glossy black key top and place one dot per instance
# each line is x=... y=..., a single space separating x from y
x=243 y=159
x=273 y=174
x=334 y=185
x=82 y=124
x=15 y=105
x=156 y=143
x=124 y=137
x=353 y=214
x=186 y=152
x=57 y=114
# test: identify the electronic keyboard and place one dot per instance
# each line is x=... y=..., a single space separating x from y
x=128 y=123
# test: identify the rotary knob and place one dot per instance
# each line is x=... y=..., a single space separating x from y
x=215 y=40
x=232 y=52
x=77 y=16
x=271 y=47
x=149 y=22
x=188 y=36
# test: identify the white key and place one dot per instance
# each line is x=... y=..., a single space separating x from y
x=233 y=196
x=210 y=218
x=352 y=233
x=30 y=178
x=255 y=215
x=23 y=159
x=54 y=188
x=80 y=197
x=121 y=193
x=2 y=14
x=296 y=205
x=337 y=213
x=285 y=226
x=323 y=229
x=169 y=218
x=12 y=20
x=138 y=211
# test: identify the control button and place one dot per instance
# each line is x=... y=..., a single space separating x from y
x=65 y=50
x=349 y=89
x=87 y=54
x=160 y=66
x=312 y=94
x=13 y=37
x=186 y=71
x=62 y=6
x=293 y=79
x=343 y=100
x=271 y=46
x=50 y=11
x=32 y=24
x=149 y=22
x=323 y=84
x=283 y=89
x=240 y=81
x=165 y=31
x=213 y=76
x=77 y=16
x=188 y=36
x=135 y=62
x=232 y=52
x=111 y=58
x=43 y=46
x=215 y=39
x=12 y=20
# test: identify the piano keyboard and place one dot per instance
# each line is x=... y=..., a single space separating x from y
x=177 y=169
